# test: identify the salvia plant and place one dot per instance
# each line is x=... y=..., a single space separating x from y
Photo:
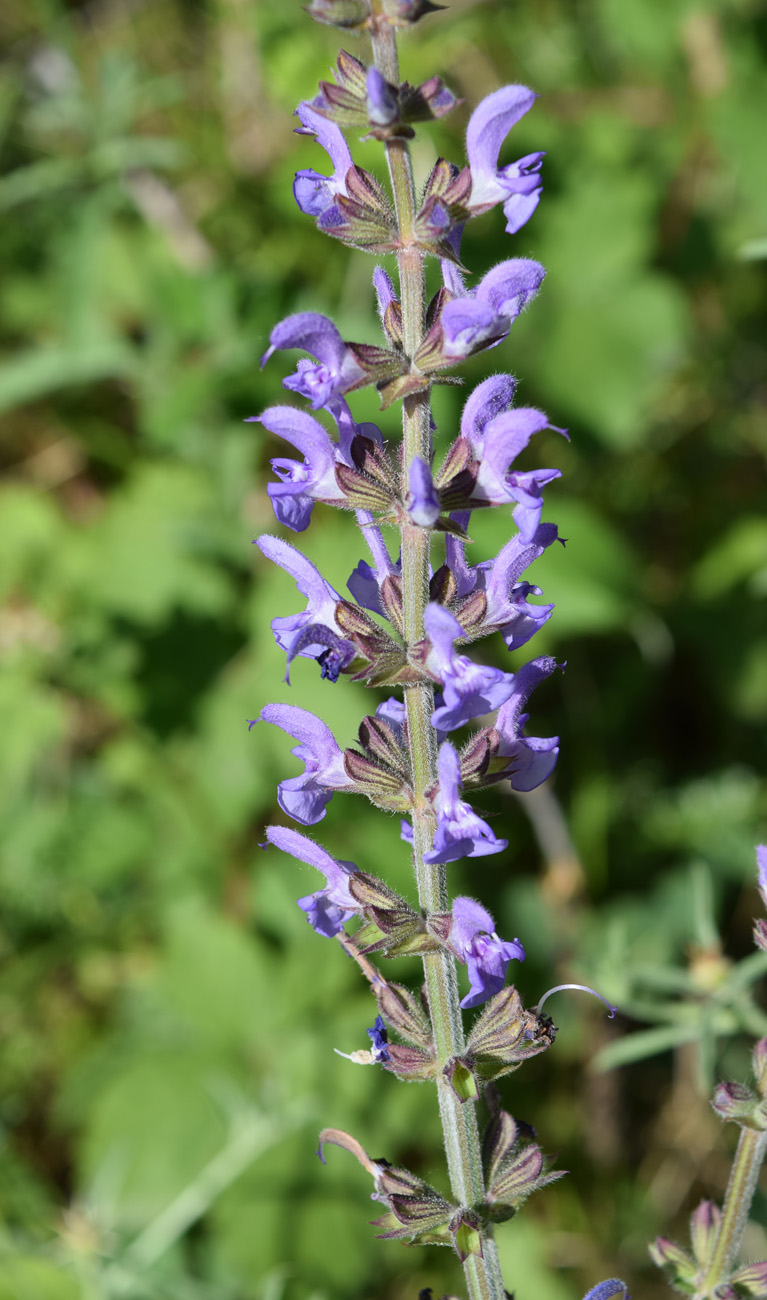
x=456 y=726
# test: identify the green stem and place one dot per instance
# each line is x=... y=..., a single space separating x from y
x=459 y=1120
x=744 y=1177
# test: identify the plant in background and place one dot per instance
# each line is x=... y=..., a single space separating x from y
x=405 y=626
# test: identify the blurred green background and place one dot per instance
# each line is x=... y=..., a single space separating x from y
x=167 y=1017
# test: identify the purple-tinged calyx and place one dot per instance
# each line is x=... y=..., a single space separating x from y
x=473 y=939
x=316 y=194
x=327 y=910
x=422 y=501
x=335 y=369
x=313 y=633
x=529 y=759
x=305 y=797
x=469 y=690
x=518 y=185
x=362 y=99
x=460 y=833
x=303 y=482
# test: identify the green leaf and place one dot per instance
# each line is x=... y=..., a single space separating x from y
x=24 y=1277
x=43 y=370
x=644 y=1043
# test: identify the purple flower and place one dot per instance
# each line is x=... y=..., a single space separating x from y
x=338 y=407
x=313 y=633
x=532 y=759
x=517 y=186
x=460 y=832
x=303 y=482
x=316 y=194
x=382 y=103
x=380 y=1039
x=393 y=711
x=612 y=1289
x=422 y=502
x=503 y=438
x=385 y=292
x=365 y=581
x=335 y=370
x=483 y=317
x=327 y=909
x=474 y=941
x=305 y=797
x=489 y=399
x=507 y=608
x=468 y=689
x=761 y=866
x=466 y=576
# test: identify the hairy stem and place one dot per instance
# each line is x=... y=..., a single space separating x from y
x=459 y=1120
x=744 y=1176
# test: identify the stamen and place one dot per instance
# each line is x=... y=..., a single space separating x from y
x=584 y=988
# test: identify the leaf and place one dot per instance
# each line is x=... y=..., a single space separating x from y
x=738 y=556
x=644 y=1043
x=25 y=1277
x=42 y=370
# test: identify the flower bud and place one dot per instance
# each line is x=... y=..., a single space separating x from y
x=383 y=787
x=411 y=1063
x=750 y=1280
x=351 y=15
x=498 y=1143
x=381 y=742
x=443 y=587
x=679 y=1268
x=734 y=1101
x=391 y=599
x=360 y=491
x=404 y=1013
x=704 y=1230
x=403 y=13
x=506 y=1034
x=393 y=927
